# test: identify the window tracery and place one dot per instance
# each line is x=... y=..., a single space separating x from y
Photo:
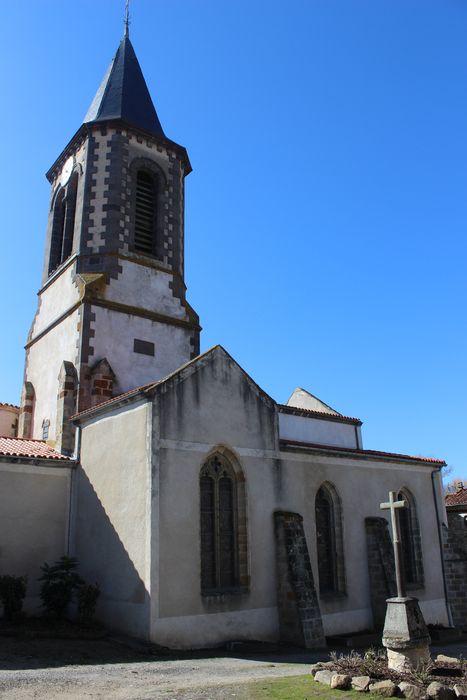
x=223 y=532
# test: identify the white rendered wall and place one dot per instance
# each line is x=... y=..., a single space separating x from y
x=172 y=347
x=34 y=507
x=145 y=287
x=112 y=512
x=216 y=408
x=316 y=430
x=44 y=360
x=56 y=299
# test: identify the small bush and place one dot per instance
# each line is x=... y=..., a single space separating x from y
x=59 y=582
x=88 y=594
x=422 y=674
x=12 y=594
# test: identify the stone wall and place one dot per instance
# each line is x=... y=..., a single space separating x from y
x=299 y=613
x=380 y=567
x=455 y=562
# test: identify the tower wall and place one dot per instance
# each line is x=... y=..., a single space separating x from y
x=113 y=286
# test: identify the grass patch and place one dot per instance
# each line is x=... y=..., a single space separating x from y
x=295 y=688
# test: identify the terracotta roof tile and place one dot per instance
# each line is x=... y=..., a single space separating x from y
x=114 y=399
x=9 y=405
x=363 y=453
x=457 y=499
x=21 y=447
x=308 y=412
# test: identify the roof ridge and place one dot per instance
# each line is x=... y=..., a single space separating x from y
x=152 y=385
x=145 y=387
x=356 y=450
x=285 y=408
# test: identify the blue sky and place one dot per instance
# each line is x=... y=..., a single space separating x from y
x=326 y=216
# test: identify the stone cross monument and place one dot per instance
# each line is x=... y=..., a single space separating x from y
x=405 y=635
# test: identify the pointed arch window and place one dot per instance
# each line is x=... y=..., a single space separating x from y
x=329 y=541
x=63 y=224
x=222 y=528
x=411 y=541
x=145 y=212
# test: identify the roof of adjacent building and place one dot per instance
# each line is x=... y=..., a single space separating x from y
x=22 y=447
x=324 y=415
x=8 y=405
x=123 y=94
x=459 y=498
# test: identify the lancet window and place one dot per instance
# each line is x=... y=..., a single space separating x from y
x=223 y=531
x=63 y=224
x=411 y=541
x=329 y=546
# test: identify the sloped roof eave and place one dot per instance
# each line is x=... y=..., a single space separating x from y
x=146 y=390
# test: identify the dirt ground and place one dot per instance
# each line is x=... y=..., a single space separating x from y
x=76 y=670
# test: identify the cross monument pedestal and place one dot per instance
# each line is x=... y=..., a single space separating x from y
x=405 y=635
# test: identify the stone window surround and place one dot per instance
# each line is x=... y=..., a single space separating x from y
x=235 y=471
x=416 y=543
x=151 y=166
x=338 y=536
x=64 y=197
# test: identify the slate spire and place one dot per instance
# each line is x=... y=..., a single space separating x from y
x=123 y=93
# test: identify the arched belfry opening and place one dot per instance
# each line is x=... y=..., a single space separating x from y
x=146 y=212
x=63 y=224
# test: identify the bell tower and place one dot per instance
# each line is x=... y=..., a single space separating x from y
x=112 y=311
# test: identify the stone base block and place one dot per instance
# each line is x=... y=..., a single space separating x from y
x=406 y=660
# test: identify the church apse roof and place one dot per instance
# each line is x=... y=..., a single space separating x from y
x=123 y=94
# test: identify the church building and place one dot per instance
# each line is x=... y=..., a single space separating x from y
x=206 y=511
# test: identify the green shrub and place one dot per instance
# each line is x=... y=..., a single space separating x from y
x=59 y=582
x=12 y=593
x=88 y=594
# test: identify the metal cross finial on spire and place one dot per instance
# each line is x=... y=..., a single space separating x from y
x=127 y=17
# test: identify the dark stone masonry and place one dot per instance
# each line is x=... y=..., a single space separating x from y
x=299 y=614
x=455 y=563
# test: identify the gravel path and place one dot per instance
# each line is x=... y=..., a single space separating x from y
x=32 y=671
x=76 y=670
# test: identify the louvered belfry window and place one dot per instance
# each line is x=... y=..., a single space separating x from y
x=145 y=213
x=218 y=516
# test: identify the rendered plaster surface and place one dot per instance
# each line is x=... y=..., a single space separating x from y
x=172 y=347
x=314 y=430
x=34 y=502
x=44 y=361
x=112 y=514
